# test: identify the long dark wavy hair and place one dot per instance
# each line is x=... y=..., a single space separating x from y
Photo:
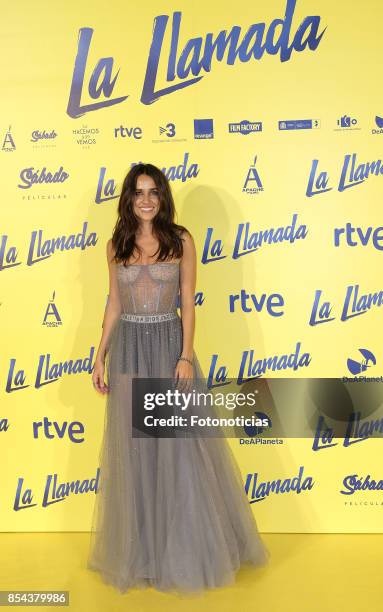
x=167 y=232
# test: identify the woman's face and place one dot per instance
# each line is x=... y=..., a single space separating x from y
x=146 y=201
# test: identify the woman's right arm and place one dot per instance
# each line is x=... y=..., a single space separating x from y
x=112 y=313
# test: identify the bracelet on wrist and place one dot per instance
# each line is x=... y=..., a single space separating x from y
x=185 y=359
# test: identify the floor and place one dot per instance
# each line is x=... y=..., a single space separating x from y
x=307 y=572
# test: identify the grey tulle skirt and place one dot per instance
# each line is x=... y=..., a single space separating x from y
x=170 y=513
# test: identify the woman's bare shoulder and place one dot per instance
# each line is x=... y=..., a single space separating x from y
x=185 y=234
x=110 y=250
x=188 y=248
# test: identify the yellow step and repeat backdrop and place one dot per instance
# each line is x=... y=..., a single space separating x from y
x=267 y=118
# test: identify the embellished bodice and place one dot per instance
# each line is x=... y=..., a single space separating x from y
x=149 y=288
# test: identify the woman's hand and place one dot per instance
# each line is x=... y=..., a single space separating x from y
x=98 y=377
x=184 y=376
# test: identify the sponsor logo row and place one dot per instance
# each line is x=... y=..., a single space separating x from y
x=203 y=129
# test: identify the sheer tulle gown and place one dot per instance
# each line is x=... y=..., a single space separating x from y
x=170 y=513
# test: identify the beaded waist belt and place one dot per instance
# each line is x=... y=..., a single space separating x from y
x=154 y=318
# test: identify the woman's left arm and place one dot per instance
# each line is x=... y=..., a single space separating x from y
x=188 y=273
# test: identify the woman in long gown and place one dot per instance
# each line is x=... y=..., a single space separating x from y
x=170 y=513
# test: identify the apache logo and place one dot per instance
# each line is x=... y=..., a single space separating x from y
x=52 y=317
x=8 y=142
x=253 y=180
x=357 y=367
